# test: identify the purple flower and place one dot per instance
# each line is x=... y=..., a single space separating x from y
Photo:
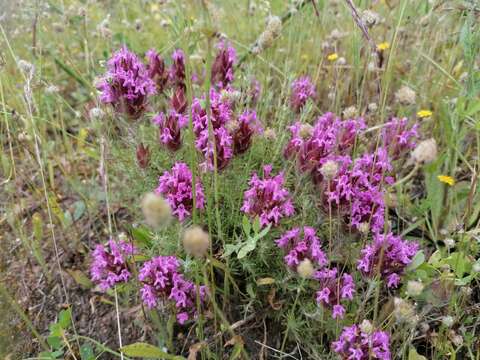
x=267 y=198
x=398 y=137
x=302 y=90
x=334 y=289
x=156 y=69
x=221 y=112
x=355 y=344
x=177 y=70
x=358 y=192
x=178 y=101
x=298 y=248
x=162 y=282
x=254 y=91
x=329 y=137
x=109 y=266
x=388 y=256
x=169 y=128
x=126 y=85
x=176 y=187
x=247 y=126
x=223 y=65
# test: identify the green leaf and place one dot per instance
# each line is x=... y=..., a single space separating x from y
x=459 y=263
x=256 y=225
x=418 y=260
x=248 y=247
x=55 y=342
x=142 y=236
x=435 y=259
x=86 y=352
x=64 y=318
x=230 y=249
x=246 y=225
x=79 y=209
x=148 y=351
x=80 y=278
x=414 y=355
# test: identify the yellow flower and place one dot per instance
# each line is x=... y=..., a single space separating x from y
x=304 y=57
x=446 y=179
x=332 y=57
x=154 y=8
x=383 y=46
x=424 y=113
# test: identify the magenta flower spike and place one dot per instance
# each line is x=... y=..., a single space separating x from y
x=302 y=90
x=223 y=65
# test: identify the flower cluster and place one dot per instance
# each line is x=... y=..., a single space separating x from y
x=162 y=281
x=156 y=69
x=354 y=343
x=302 y=90
x=109 y=266
x=313 y=146
x=299 y=249
x=127 y=84
x=358 y=191
x=247 y=126
x=399 y=137
x=176 y=186
x=169 y=128
x=267 y=198
x=388 y=256
x=223 y=65
x=334 y=289
x=177 y=70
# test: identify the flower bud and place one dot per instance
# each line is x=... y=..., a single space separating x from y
x=305 y=269
x=196 y=241
x=366 y=327
x=156 y=210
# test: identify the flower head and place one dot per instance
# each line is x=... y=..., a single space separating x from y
x=383 y=46
x=302 y=90
x=450 y=181
x=334 y=289
x=405 y=96
x=177 y=70
x=170 y=128
x=332 y=57
x=126 y=85
x=156 y=69
x=388 y=255
x=196 y=241
x=267 y=198
x=248 y=125
x=162 y=282
x=223 y=65
x=355 y=344
x=176 y=186
x=109 y=266
x=424 y=114
x=399 y=136
x=156 y=210
x=300 y=244
x=425 y=152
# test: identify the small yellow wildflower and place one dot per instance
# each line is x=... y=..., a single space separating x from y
x=154 y=8
x=446 y=179
x=332 y=57
x=424 y=113
x=383 y=46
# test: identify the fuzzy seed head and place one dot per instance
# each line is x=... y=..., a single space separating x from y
x=425 y=152
x=370 y=18
x=305 y=269
x=405 y=96
x=196 y=241
x=449 y=243
x=404 y=311
x=414 y=288
x=306 y=131
x=96 y=113
x=366 y=326
x=350 y=112
x=364 y=227
x=329 y=170
x=448 y=321
x=372 y=107
x=270 y=134
x=156 y=210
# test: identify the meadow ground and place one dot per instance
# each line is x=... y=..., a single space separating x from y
x=361 y=241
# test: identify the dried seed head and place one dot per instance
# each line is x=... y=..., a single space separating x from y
x=425 y=152
x=329 y=170
x=404 y=311
x=449 y=243
x=414 y=288
x=457 y=340
x=364 y=227
x=270 y=134
x=350 y=112
x=366 y=327
x=196 y=241
x=96 y=113
x=156 y=210
x=372 y=107
x=305 y=269
x=448 y=321
x=370 y=18
x=405 y=96
x=306 y=130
